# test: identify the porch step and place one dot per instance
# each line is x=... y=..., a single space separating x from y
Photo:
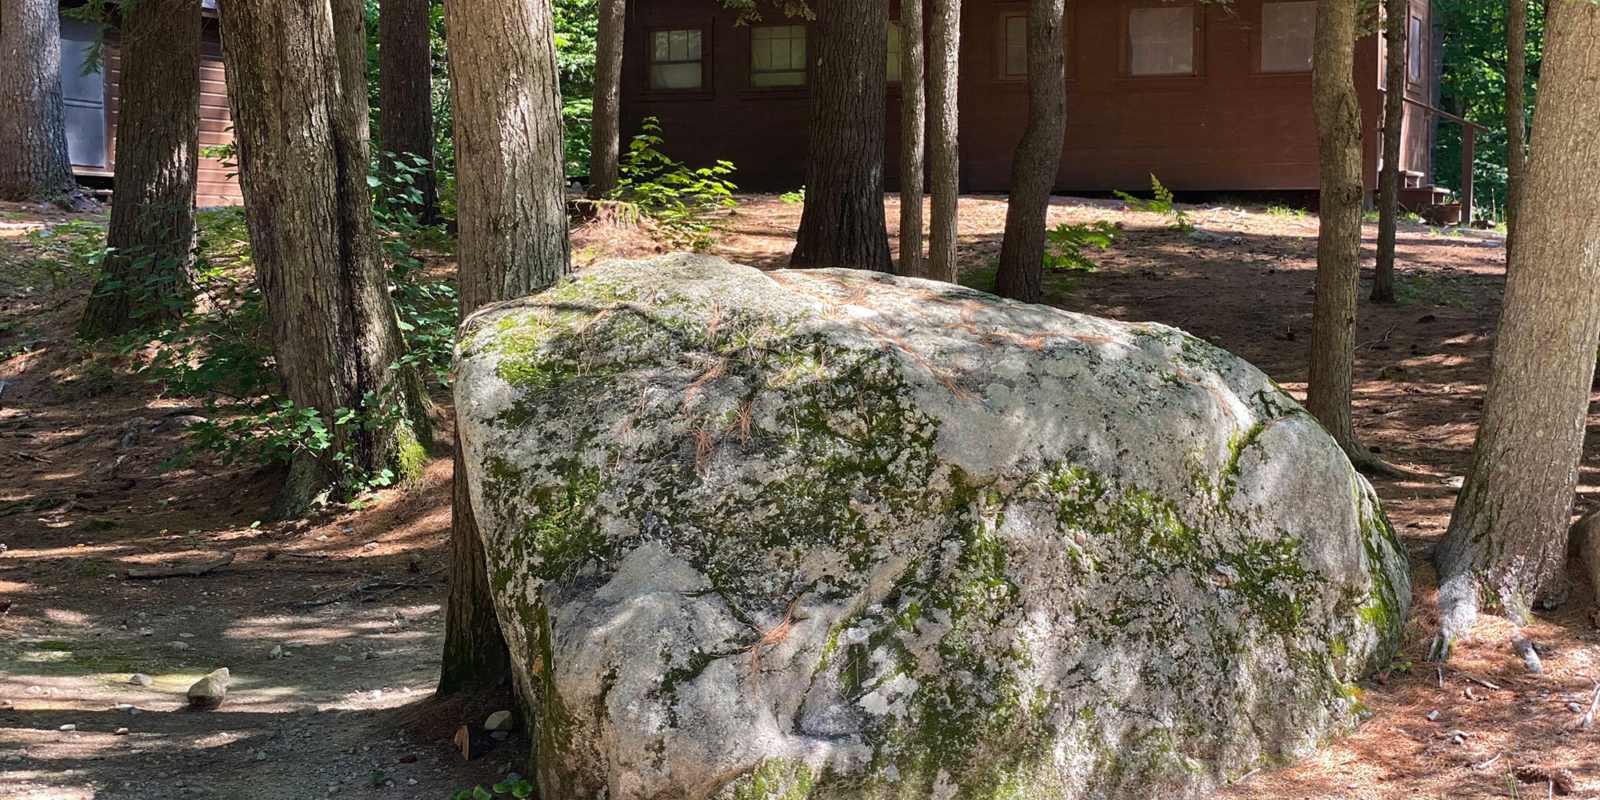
x=1431 y=203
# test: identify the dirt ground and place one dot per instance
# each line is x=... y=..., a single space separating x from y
x=346 y=713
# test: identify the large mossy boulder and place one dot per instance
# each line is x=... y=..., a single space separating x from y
x=838 y=535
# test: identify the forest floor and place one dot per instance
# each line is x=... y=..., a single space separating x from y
x=348 y=713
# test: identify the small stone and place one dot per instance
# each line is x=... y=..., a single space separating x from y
x=147 y=631
x=1458 y=736
x=500 y=736
x=342 y=659
x=185 y=636
x=411 y=781
x=68 y=727
x=275 y=652
x=498 y=721
x=122 y=707
x=141 y=679
x=307 y=711
x=188 y=608
x=14 y=757
x=370 y=654
x=370 y=546
x=178 y=645
x=35 y=689
x=1432 y=715
x=120 y=732
x=209 y=692
x=1576 y=708
x=261 y=755
x=294 y=645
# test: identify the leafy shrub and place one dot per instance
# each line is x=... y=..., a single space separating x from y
x=513 y=785
x=794 y=198
x=1162 y=203
x=1065 y=243
x=677 y=199
x=67 y=251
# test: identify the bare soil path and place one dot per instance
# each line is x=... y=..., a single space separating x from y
x=346 y=713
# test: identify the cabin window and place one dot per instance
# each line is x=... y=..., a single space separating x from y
x=1016 y=45
x=676 y=59
x=1286 y=34
x=1161 y=40
x=895 y=45
x=778 y=55
x=1415 y=50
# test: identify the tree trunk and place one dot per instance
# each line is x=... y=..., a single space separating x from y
x=843 y=222
x=33 y=131
x=606 y=124
x=1333 y=315
x=1394 y=115
x=944 y=145
x=1507 y=533
x=511 y=208
x=913 y=128
x=1038 y=157
x=303 y=170
x=147 y=278
x=1516 y=113
x=405 y=99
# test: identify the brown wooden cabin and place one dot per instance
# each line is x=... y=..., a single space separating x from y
x=91 y=108
x=1207 y=96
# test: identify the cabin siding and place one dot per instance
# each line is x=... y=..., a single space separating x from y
x=1227 y=127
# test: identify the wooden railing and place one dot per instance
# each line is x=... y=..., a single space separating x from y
x=1469 y=132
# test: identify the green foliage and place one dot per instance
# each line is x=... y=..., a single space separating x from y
x=1285 y=211
x=67 y=252
x=427 y=308
x=1474 y=86
x=794 y=198
x=577 y=24
x=677 y=198
x=1161 y=203
x=1065 y=244
x=513 y=785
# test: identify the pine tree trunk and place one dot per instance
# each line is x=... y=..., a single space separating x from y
x=1038 y=157
x=303 y=170
x=843 y=223
x=606 y=124
x=1333 y=315
x=405 y=97
x=147 y=278
x=944 y=145
x=913 y=128
x=1394 y=114
x=33 y=131
x=1516 y=113
x=511 y=208
x=1507 y=533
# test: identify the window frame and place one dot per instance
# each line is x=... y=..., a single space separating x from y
x=1069 y=50
x=705 y=58
x=805 y=68
x=894 y=22
x=1416 y=52
x=1258 y=42
x=1125 y=45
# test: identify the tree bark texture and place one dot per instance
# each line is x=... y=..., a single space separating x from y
x=1398 y=14
x=1333 y=316
x=1507 y=533
x=303 y=171
x=944 y=145
x=1516 y=113
x=405 y=97
x=511 y=211
x=913 y=140
x=34 y=164
x=1038 y=157
x=606 y=127
x=843 y=223
x=147 y=278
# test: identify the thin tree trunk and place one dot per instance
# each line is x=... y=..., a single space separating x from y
x=1507 y=533
x=1394 y=115
x=303 y=170
x=944 y=146
x=1516 y=113
x=405 y=99
x=511 y=207
x=913 y=127
x=1038 y=157
x=147 y=278
x=843 y=222
x=607 y=124
x=33 y=131
x=1333 y=315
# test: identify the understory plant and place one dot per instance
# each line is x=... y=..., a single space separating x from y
x=677 y=199
x=1160 y=203
x=1065 y=244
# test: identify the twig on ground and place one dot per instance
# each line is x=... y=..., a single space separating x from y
x=1490 y=761
x=1379 y=340
x=185 y=571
